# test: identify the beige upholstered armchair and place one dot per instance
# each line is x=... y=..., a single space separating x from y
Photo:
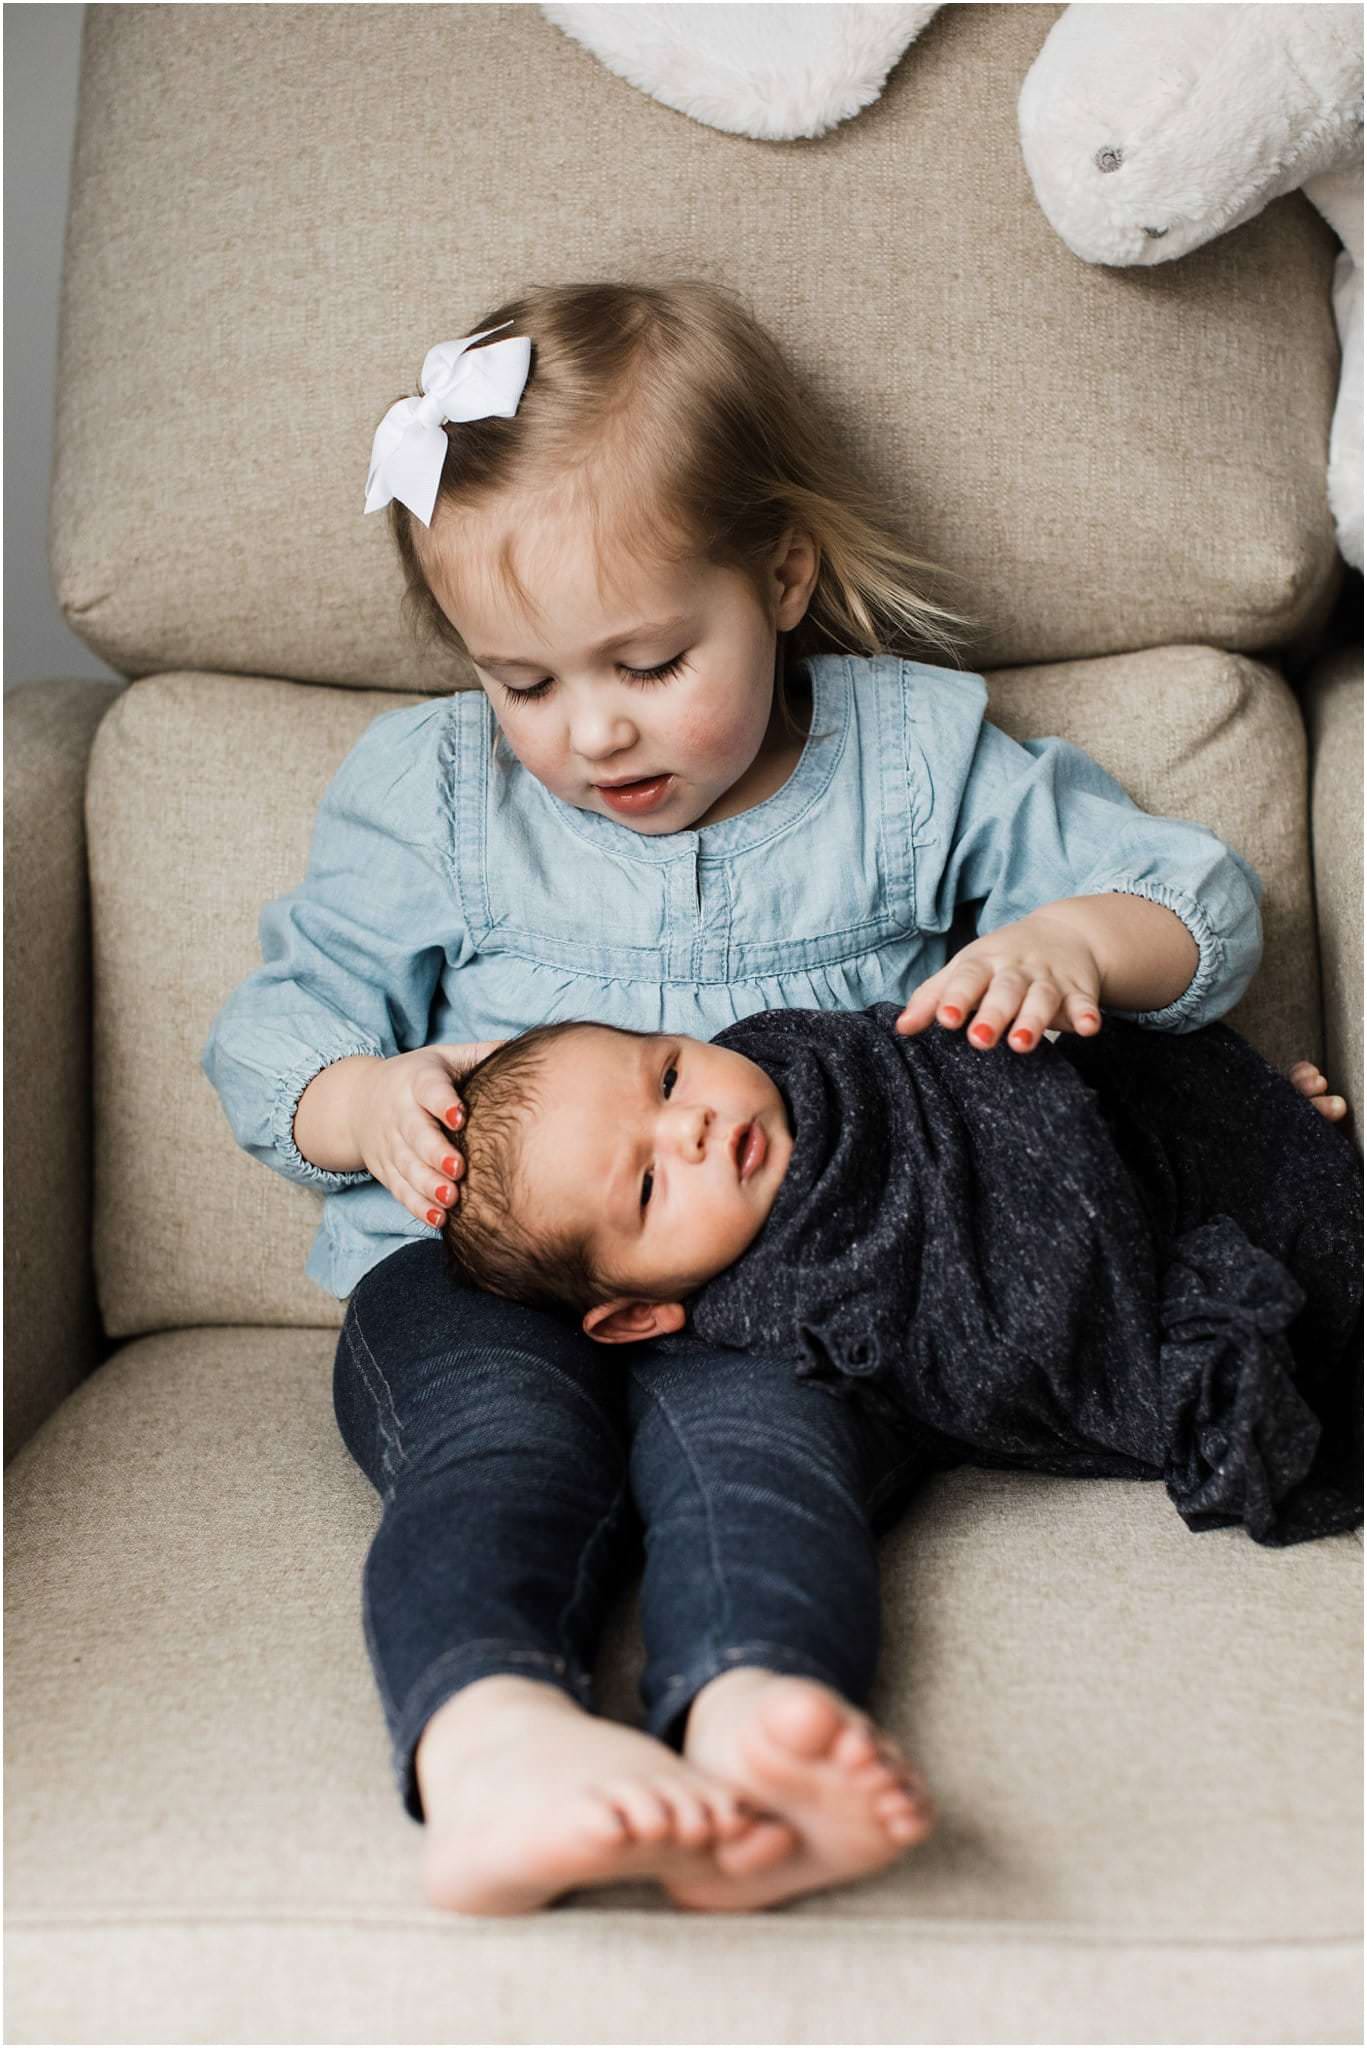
x=1145 y=1745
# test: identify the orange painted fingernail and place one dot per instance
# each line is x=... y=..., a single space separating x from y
x=950 y=1014
x=448 y=1164
x=434 y=1217
x=1020 y=1038
x=453 y=1117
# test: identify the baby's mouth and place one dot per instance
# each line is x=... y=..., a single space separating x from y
x=751 y=1149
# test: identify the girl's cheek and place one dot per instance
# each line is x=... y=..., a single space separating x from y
x=532 y=751
x=716 y=726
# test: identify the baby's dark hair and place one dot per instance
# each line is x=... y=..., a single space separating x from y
x=487 y=1242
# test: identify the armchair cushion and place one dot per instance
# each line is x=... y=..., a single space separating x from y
x=190 y=1230
x=1145 y=1746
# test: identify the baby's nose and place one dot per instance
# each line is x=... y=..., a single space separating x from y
x=694 y=1131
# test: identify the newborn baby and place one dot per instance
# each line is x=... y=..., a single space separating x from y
x=1136 y=1255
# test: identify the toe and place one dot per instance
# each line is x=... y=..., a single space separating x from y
x=692 y=1821
x=874 y=1778
x=730 y=1816
x=906 y=1813
x=645 y=1813
x=892 y=1802
x=854 y=1747
x=910 y=1788
x=603 y=1820
x=802 y=1719
x=764 y=1844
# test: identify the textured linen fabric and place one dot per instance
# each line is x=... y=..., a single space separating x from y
x=1101 y=459
x=51 y=1325
x=1033 y=1258
x=1109 y=461
x=436 y=907
x=1333 y=711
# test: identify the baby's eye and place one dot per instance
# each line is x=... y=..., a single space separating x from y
x=666 y=1083
x=646 y=1186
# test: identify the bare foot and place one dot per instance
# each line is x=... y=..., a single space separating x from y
x=1308 y=1080
x=525 y=1796
x=799 y=1751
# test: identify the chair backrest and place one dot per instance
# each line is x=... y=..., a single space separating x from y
x=276 y=210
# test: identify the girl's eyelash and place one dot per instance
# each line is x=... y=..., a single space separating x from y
x=671 y=1067
x=644 y=676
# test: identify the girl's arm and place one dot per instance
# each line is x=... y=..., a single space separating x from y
x=1167 y=912
x=1145 y=954
x=351 y=958
x=325 y=1120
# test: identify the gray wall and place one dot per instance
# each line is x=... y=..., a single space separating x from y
x=42 y=65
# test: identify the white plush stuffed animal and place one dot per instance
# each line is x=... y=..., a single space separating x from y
x=1147 y=130
x=776 y=71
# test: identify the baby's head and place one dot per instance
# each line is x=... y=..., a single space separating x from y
x=614 y=564
x=610 y=1174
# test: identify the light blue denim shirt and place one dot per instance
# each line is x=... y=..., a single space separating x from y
x=451 y=897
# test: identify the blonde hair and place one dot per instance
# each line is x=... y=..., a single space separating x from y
x=665 y=420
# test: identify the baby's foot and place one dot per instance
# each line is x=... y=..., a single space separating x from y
x=805 y=1755
x=525 y=1796
x=1308 y=1080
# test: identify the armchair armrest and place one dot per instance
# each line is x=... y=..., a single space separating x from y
x=1332 y=699
x=51 y=1322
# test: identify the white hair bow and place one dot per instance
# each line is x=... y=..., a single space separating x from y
x=409 y=447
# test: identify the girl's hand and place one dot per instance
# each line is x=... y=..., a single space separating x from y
x=1035 y=975
x=403 y=1113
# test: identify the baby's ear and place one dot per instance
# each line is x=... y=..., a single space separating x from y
x=630 y=1321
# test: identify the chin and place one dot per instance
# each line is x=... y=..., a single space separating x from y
x=656 y=828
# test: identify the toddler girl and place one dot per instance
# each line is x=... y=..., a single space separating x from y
x=696 y=782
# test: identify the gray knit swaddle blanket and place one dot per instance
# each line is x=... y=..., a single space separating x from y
x=1136 y=1255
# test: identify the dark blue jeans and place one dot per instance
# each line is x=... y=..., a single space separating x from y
x=524 y=1470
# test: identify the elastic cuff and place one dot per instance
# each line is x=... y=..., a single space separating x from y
x=667 y=1717
x=451 y=1673
x=288 y=1090
x=1209 y=967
